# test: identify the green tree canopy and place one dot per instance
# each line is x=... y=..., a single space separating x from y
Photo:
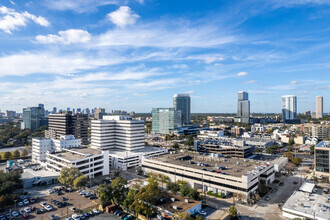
x=68 y=175
x=6 y=155
x=24 y=153
x=119 y=190
x=232 y=211
x=105 y=194
x=173 y=187
x=16 y=154
x=80 y=181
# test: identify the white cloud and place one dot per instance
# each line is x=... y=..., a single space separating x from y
x=212 y=59
x=242 y=74
x=250 y=82
x=65 y=37
x=11 y=20
x=189 y=92
x=123 y=16
x=48 y=63
x=78 y=5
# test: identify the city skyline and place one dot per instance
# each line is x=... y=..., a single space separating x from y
x=82 y=54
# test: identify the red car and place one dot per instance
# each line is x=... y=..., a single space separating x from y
x=25 y=215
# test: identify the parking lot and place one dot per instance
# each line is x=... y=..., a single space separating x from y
x=73 y=199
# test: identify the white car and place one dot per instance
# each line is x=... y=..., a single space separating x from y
x=49 y=208
x=43 y=204
x=83 y=192
x=26 y=202
x=76 y=216
x=20 y=204
x=50 y=191
x=27 y=209
x=96 y=211
x=202 y=212
x=14 y=214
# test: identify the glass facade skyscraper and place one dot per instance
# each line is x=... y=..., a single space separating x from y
x=289 y=107
x=165 y=120
x=34 y=117
x=182 y=102
x=243 y=107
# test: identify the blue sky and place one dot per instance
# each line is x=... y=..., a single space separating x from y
x=134 y=55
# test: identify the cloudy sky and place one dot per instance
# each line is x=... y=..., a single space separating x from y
x=135 y=54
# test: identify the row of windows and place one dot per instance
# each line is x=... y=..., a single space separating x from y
x=203 y=180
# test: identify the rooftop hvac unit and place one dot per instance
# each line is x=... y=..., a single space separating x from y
x=186 y=200
x=175 y=207
x=173 y=199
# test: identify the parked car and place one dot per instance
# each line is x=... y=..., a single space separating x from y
x=49 y=208
x=128 y=217
x=68 y=218
x=20 y=204
x=88 y=194
x=86 y=214
x=73 y=209
x=52 y=217
x=38 y=211
x=33 y=208
x=27 y=209
x=75 y=216
x=96 y=211
x=267 y=198
x=202 y=212
x=50 y=191
x=83 y=192
x=43 y=204
x=43 y=210
x=25 y=215
x=64 y=199
x=92 y=197
x=32 y=200
x=15 y=214
x=123 y=216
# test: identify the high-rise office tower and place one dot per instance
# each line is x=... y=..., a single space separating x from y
x=165 y=120
x=41 y=106
x=319 y=107
x=243 y=107
x=78 y=110
x=181 y=102
x=66 y=123
x=289 y=108
x=68 y=109
x=99 y=113
x=34 y=118
x=117 y=132
x=54 y=110
x=322 y=159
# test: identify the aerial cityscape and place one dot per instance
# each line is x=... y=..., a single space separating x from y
x=159 y=110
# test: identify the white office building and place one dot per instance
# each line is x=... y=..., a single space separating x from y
x=319 y=107
x=289 y=107
x=90 y=162
x=40 y=146
x=117 y=132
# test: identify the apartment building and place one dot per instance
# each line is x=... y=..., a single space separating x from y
x=321 y=131
x=40 y=146
x=117 y=132
x=90 y=162
x=322 y=158
x=219 y=175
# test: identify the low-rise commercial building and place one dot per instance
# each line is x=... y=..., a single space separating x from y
x=219 y=175
x=90 y=162
x=38 y=177
x=307 y=205
x=40 y=146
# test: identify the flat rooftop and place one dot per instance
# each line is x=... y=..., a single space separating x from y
x=145 y=150
x=234 y=166
x=77 y=153
x=324 y=144
x=30 y=173
x=179 y=202
x=308 y=204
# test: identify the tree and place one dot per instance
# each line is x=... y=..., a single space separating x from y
x=164 y=179
x=194 y=194
x=289 y=148
x=291 y=141
x=173 y=187
x=119 y=190
x=271 y=149
x=80 y=181
x=257 y=150
x=189 y=142
x=145 y=199
x=288 y=155
x=296 y=160
x=24 y=153
x=16 y=154
x=312 y=149
x=68 y=175
x=105 y=194
x=129 y=198
x=176 y=146
x=3 y=201
x=6 y=155
x=9 y=182
x=232 y=211
x=184 y=190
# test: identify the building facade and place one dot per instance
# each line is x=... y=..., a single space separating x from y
x=289 y=108
x=117 y=132
x=165 y=120
x=40 y=146
x=319 y=107
x=90 y=162
x=243 y=107
x=66 y=123
x=182 y=102
x=322 y=159
x=33 y=118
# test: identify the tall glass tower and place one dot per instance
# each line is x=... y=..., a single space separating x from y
x=289 y=107
x=243 y=107
x=165 y=120
x=182 y=102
